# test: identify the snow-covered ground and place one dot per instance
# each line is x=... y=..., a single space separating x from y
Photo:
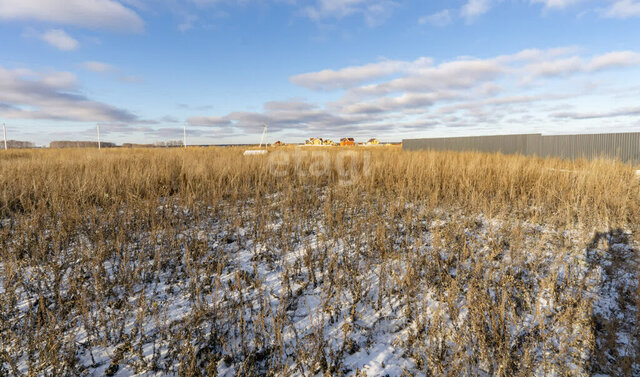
x=442 y=293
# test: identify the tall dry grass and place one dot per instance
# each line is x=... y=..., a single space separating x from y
x=581 y=192
x=92 y=241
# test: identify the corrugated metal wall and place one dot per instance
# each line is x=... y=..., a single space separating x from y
x=625 y=146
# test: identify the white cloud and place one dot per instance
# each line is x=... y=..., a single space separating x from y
x=472 y=9
x=374 y=11
x=92 y=14
x=420 y=75
x=555 y=67
x=97 y=67
x=279 y=115
x=534 y=54
x=558 y=4
x=59 y=80
x=59 y=39
x=209 y=121
x=350 y=76
x=333 y=8
x=623 y=9
x=614 y=59
x=378 y=12
x=475 y=8
x=496 y=102
x=26 y=94
x=576 y=64
x=457 y=74
x=622 y=112
x=440 y=19
x=403 y=102
x=289 y=106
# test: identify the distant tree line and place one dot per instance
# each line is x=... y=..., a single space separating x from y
x=17 y=144
x=170 y=143
x=94 y=144
x=135 y=145
x=79 y=144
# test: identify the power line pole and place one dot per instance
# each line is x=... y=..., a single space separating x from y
x=4 y=132
x=264 y=132
x=184 y=135
x=98 y=130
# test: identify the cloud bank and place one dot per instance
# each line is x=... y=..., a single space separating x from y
x=410 y=96
x=26 y=94
x=91 y=14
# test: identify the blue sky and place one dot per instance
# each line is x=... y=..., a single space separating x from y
x=390 y=69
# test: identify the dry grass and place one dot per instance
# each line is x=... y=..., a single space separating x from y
x=201 y=261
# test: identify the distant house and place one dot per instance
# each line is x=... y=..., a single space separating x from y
x=314 y=141
x=328 y=142
x=347 y=142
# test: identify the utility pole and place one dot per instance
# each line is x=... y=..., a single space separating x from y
x=184 y=135
x=264 y=132
x=4 y=132
x=98 y=130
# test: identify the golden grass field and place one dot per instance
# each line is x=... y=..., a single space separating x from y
x=201 y=261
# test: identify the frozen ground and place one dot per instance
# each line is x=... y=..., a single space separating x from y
x=457 y=296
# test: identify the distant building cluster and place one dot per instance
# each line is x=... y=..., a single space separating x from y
x=344 y=142
x=16 y=144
